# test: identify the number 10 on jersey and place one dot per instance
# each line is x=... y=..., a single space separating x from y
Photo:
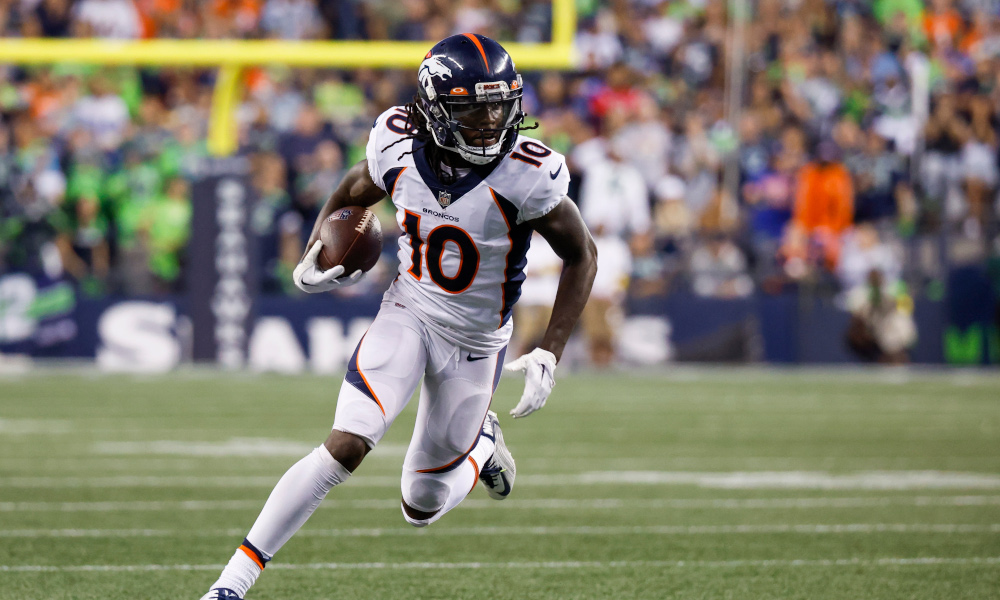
x=436 y=240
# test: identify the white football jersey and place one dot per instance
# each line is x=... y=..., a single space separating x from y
x=462 y=252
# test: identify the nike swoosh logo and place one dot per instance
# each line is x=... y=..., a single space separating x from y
x=471 y=358
x=554 y=175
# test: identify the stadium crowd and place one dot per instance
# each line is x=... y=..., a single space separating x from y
x=865 y=137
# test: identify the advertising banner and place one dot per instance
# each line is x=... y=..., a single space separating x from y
x=222 y=273
x=37 y=314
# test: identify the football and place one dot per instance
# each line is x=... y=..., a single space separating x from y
x=352 y=237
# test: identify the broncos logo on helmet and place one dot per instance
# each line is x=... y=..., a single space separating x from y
x=470 y=95
x=433 y=66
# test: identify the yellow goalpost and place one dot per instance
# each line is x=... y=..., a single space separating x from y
x=231 y=56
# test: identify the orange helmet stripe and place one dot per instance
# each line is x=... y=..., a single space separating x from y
x=482 y=52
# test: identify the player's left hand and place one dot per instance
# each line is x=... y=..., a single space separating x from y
x=539 y=368
x=310 y=279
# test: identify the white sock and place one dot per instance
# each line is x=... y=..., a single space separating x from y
x=293 y=500
x=460 y=481
x=483 y=451
x=241 y=572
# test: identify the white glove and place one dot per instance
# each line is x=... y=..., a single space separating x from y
x=310 y=279
x=539 y=367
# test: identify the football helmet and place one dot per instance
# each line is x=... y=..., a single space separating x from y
x=470 y=95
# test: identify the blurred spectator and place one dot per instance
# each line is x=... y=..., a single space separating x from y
x=129 y=191
x=618 y=94
x=53 y=18
x=880 y=178
x=614 y=197
x=283 y=99
x=816 y=97
x=673 y=220
x=298 y=148
x=863 y=252
x=319 y=174
x=106 y=18
x=412 y=27
x=474 y=16
x=647 y=139
x=103 y=113
x=275 y=222
x=597 y=42
x=291 y=19
x=769 y=198
x=719 y=270
x=942 y=23
x=699 y=163
x=945 y=135
x=754 y=153
x=165 y=227
x=84 y=247
x=538 y=292
x=180 y=154
x=979 y=158
x=602 y=315
x=881 y=327
x=340 y=101
x=824 y=203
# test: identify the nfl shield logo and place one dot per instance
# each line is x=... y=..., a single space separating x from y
x=444 y=199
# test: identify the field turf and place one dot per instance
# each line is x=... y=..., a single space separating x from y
x=714 y=483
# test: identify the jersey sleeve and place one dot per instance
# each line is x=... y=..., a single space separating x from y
x=550 y=186
x=388 y=128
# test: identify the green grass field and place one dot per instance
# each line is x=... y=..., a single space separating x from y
x=694 y=484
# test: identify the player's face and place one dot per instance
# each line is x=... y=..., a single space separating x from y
x=483 y=122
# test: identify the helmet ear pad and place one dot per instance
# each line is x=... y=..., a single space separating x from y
x=439 y=130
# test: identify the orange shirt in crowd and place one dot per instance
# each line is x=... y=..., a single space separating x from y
x=235 y=8
x=151 y=11
x=43 y=101
x=943 y=27
x=824 y=198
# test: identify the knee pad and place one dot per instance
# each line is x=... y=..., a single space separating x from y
x=424 y=492
x=412 y=521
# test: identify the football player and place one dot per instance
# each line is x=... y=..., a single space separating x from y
x=469 y=189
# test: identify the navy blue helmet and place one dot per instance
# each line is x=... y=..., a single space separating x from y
x=470 y=95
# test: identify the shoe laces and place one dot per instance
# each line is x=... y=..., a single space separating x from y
x=492 y=470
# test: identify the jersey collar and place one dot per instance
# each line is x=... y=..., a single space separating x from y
x=462 y=186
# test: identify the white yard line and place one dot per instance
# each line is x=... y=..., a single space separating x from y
x=166 y=481
x=618 y=564
x=519 y=504
x=34 y=426
x=239 y=447
x=870 y=480
x=819 y=480
x=946 y=528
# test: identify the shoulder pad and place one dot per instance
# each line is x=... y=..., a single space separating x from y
x=389 y=128
x=534 y=177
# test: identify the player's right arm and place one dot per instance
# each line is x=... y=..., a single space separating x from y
x=355 y=189
x=359 y=187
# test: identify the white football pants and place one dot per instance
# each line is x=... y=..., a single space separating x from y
x=381 y=377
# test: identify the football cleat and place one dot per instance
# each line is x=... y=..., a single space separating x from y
x=497 y=474
x=221 y=594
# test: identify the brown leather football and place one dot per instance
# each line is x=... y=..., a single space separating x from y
x=351 y=236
